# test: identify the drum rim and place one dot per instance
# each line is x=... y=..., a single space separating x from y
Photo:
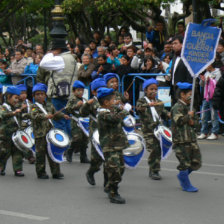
x=66 y=138
x=18 y=144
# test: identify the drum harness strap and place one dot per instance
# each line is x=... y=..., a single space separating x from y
x=155 y=115
x=10 y=109
x=44 y=111
x=28 y=111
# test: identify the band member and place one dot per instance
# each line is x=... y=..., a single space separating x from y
x=41 y=114
x=112 y=141
x=79 y=140
x=26 y=117
x=10 y=119
x=151 y=111
x=112 y=82
x=184 y=123
x=90 y=109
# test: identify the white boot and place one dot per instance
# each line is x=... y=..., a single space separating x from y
x=212 y=137
x=202 y=136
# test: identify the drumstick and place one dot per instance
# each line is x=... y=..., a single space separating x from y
x=129 y=86
x=59 y=111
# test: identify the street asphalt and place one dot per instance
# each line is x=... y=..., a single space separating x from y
x=74 y=201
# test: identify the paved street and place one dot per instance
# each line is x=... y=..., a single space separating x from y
x=72 y=200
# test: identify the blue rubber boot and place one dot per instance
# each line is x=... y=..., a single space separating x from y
x=185 y=182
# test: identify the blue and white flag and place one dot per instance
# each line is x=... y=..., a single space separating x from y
x=199 y=46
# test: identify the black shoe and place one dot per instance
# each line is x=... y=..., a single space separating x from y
x=69 y=157
x=116 y=198
x=84 y=160
x=155 y=175
x=58 y=176
x=90 y=177
x=19 y=174
x=2 y=172
x=43 y=177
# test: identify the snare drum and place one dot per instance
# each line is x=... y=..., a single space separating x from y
x=129 y=123
x=134 y=153
x=164 y=135
x=58 y=142
x=164 y=131
x=22 y=141
x=83 y=123
x=29 y=132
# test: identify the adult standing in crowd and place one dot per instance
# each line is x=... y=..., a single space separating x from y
x=17 y=67
x=62 y=65
x=179 y=72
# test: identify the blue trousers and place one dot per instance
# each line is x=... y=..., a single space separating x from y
x=206 y=117
x=62 y=124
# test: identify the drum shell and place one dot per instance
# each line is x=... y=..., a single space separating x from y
x=22 y=141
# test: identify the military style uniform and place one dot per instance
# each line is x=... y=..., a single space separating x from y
x=25 y=123
x=79 y=139
x=148 y=126
x=41 y=126
x=185 y=140
x=120 y=97
x=91 y=111
x=7 y=127
x=112 y=141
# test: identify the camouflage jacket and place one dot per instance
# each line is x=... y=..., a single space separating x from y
x=111 y=134
x=184 y=133
x=120 y=97
x=41 y=125
x=7 y=123
x=144 y=111
x=73 y=109
x=26 y=114
x=90 y=110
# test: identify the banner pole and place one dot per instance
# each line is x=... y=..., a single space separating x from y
x=192 y=96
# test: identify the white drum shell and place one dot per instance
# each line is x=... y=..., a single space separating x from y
x=137 y=147
x=19 y=143
x=51 y=136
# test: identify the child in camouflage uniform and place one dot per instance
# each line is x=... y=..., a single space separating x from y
x=112 y=141
x=41 y=126
x=149 y=120
x=112 y=82
x=90 y=109
x=184 y=123
x=9 y=116
x=26 y=117
x=79 y=139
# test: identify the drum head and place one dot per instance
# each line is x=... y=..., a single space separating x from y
x=166 y=132
x=58 y=138
x=22 y=140
x=136 y=145
x=129 y=121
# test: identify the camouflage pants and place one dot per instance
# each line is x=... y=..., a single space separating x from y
x=79 y=140
x=114 y=168
x=96 y=160
x=153 y=146
x=189 y=156
x=41 y=153
x=9 y=149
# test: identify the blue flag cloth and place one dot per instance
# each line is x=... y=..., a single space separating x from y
x=199 y=46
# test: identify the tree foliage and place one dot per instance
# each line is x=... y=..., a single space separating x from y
x=25 y=18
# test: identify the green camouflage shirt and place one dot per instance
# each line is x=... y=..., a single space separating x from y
x=111 y=134
x=184 y=133
x=73 y=109
x=91 y=111
x=119 y=97
x=41 y=125
x=26 y=114
x=7 y=123
x=144 y=111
